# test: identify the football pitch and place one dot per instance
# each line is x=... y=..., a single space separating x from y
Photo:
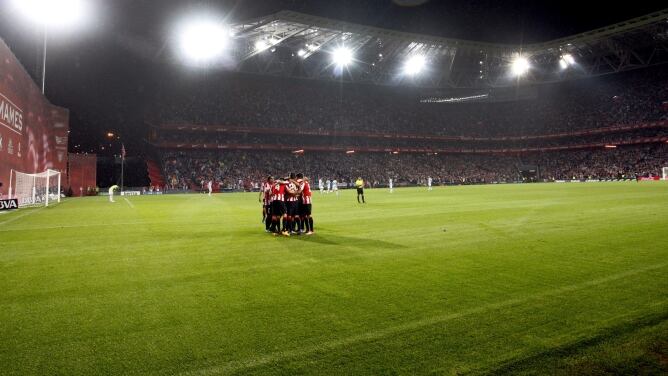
x=527 y=279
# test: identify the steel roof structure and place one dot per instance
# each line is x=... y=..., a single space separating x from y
x=294 y=44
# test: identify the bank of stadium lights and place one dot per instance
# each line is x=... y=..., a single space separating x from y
x=54 y=14
x=261 y=45
x=301 y=53
x=566 y=61
x=264 y=44
x=519 y=66
x=414 y=65
x=342 y=56
x=202 y=40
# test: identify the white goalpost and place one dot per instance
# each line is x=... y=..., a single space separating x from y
x=664 y=173
x=40 y=189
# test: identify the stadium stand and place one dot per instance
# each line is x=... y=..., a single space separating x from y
x=155 y=174
x=236 y=128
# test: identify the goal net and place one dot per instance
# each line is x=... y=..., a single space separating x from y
x=40 y=189
x=664 y=173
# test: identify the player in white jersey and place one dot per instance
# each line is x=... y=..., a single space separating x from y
x=391 y=185
x=209 y=186
x=321 y=186
x=111 y=192
x=335 y=187
x=329 y=185
x=429 y=181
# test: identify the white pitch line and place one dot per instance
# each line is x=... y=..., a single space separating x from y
x=240 y=365
x=27 y=213
x=101 y=225
x=128 y=201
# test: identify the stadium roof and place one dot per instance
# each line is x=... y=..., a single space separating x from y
x=294 y=44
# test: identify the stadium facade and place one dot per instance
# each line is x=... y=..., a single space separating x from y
x=33 y=132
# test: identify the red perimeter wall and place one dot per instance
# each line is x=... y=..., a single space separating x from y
x=82 y=173
x=33 y=132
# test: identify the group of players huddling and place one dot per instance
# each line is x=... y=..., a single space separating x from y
x=287 y=202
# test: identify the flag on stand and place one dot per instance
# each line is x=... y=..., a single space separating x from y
x=123 y=151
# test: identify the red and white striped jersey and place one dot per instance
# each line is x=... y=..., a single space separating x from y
x=266 y=189
x=305 y=187
x=291 y=187
x=278 y=192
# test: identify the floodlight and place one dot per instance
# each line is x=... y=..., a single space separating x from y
x=568 y=58
x=342 y=56
x=261 y=45
x=202 y=40
x=54 y=14
x=301 y=53
x=520 y=66
x=414 y=65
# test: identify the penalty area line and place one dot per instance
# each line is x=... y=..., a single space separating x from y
x=237 y=366
x=128 y=202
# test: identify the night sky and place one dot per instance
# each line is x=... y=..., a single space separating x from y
x=105 y=72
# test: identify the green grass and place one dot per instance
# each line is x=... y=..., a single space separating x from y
x=525 y=279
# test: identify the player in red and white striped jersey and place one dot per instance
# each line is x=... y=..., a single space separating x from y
x=278 y=207
x=306 y=221
x=291 y=201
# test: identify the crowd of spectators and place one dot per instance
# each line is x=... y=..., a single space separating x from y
x=271 y=102
x=245 y=169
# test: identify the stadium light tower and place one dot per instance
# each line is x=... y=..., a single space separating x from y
x=414 y=65
x=202 y=40
x=53 y=15
x=520 y=66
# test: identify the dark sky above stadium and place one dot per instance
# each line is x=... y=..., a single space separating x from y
x=102 y=74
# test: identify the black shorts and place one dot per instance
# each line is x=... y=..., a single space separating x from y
x=291 y=207
x=304 y=209
x=267 y=208
x=360 y=191
x=277 y=208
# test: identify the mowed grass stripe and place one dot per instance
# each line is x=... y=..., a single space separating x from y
x=413 y=325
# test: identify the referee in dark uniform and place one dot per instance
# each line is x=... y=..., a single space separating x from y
x=359 y=184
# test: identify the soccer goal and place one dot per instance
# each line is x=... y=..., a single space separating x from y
x=40 y=189
x=664 y=173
